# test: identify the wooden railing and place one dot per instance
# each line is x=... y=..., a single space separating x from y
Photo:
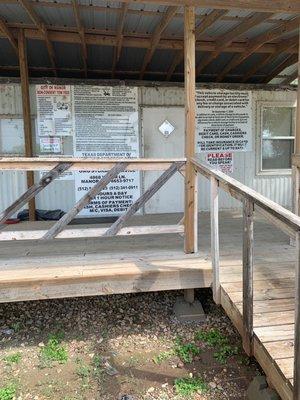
x=57 y=166
x=279 y=216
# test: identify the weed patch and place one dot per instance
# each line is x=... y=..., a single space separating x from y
x=54 y=350
x=13 y=358
x=214 y=339
x=8 y=392
x=186 y=351
x=186 y=387
x=163 y=356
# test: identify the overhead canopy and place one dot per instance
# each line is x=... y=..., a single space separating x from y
x=237 y=41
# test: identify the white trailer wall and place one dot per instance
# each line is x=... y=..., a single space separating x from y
x=156 y=105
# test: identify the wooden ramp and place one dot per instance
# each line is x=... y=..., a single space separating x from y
x=274 y=296
x=34 y=270
x=83 y=267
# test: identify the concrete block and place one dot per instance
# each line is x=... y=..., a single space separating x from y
x=185 y=311
x=259 y=390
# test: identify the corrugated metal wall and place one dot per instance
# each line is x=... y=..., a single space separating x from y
x=61 y=194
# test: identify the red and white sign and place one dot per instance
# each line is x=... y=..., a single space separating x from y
x=50 y=145
x=222 y=161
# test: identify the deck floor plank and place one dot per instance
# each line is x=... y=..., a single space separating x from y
x=93 y=266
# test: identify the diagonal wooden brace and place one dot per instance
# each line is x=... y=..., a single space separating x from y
x=34 y=190
x=116 y=226
x=85 y=200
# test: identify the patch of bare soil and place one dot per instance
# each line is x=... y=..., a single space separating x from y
x=122 y=347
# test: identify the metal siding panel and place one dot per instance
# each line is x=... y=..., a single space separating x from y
x=58 y=195
x=12 y=185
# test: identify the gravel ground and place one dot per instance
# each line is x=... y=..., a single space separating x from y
x=121 y=347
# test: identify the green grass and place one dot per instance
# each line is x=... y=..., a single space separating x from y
x=14 y=358
x=214 y=339
x=186 y=351
x=54 y=350
x=224 y=352
x=8 y=392
x=163 y=356
x=186 y=387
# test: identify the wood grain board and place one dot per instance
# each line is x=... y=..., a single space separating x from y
x=100 y=266
x=274 y=302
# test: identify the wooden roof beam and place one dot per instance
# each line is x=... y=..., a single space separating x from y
x=290 y=60
x=164 y=22
x=100 y=39
x=227 y=38
x=6 y=31
x=207 y=21
x=81 y=33
x=275 y=6
x=283 y=47
x=120 y=36
x=27 y=5
x=255 y=43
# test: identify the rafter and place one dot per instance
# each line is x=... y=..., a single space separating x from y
x=204 y=24
x=165 y=20
x=290 y=60
x=27 y=5
x=6 y=31
x=276 y=6
x=119 y=39
x=81 y=35
x=100 y=39
x=227 y=38
x=257 y=42
x=283 y=47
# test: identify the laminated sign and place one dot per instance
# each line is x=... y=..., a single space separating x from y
x=224 y=120
x=54 y=110
x=106 y=126
x=221 y=161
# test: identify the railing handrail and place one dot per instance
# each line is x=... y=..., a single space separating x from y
x=241 y=191
x=85 y=164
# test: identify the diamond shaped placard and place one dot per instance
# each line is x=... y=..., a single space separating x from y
x=166 y=128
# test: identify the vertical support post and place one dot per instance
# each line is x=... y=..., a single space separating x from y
x=26 y=113
x=248 y=208
x=214 y=232
x=295 y=169
x=191 y=206
x=296 y=394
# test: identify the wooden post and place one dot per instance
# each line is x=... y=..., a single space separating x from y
x=214 y=231
x=191 y=206
x=248 y=208
x=295 y=169
x=26 y=114
x=297 y=323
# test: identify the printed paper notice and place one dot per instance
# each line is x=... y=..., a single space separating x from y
x=106 y=126
x=54 y=110
x=224 y=120
x=50 y=145
x=221 y=161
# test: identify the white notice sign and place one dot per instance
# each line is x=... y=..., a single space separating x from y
x=224 y=120
x=221 y=161
x=50 y=145
x=106 y=126
x=54 y=110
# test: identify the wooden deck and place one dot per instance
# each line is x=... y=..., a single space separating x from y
x=274 y=296
x=83 y=267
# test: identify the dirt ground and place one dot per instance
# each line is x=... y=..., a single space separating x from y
x=122 y=347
